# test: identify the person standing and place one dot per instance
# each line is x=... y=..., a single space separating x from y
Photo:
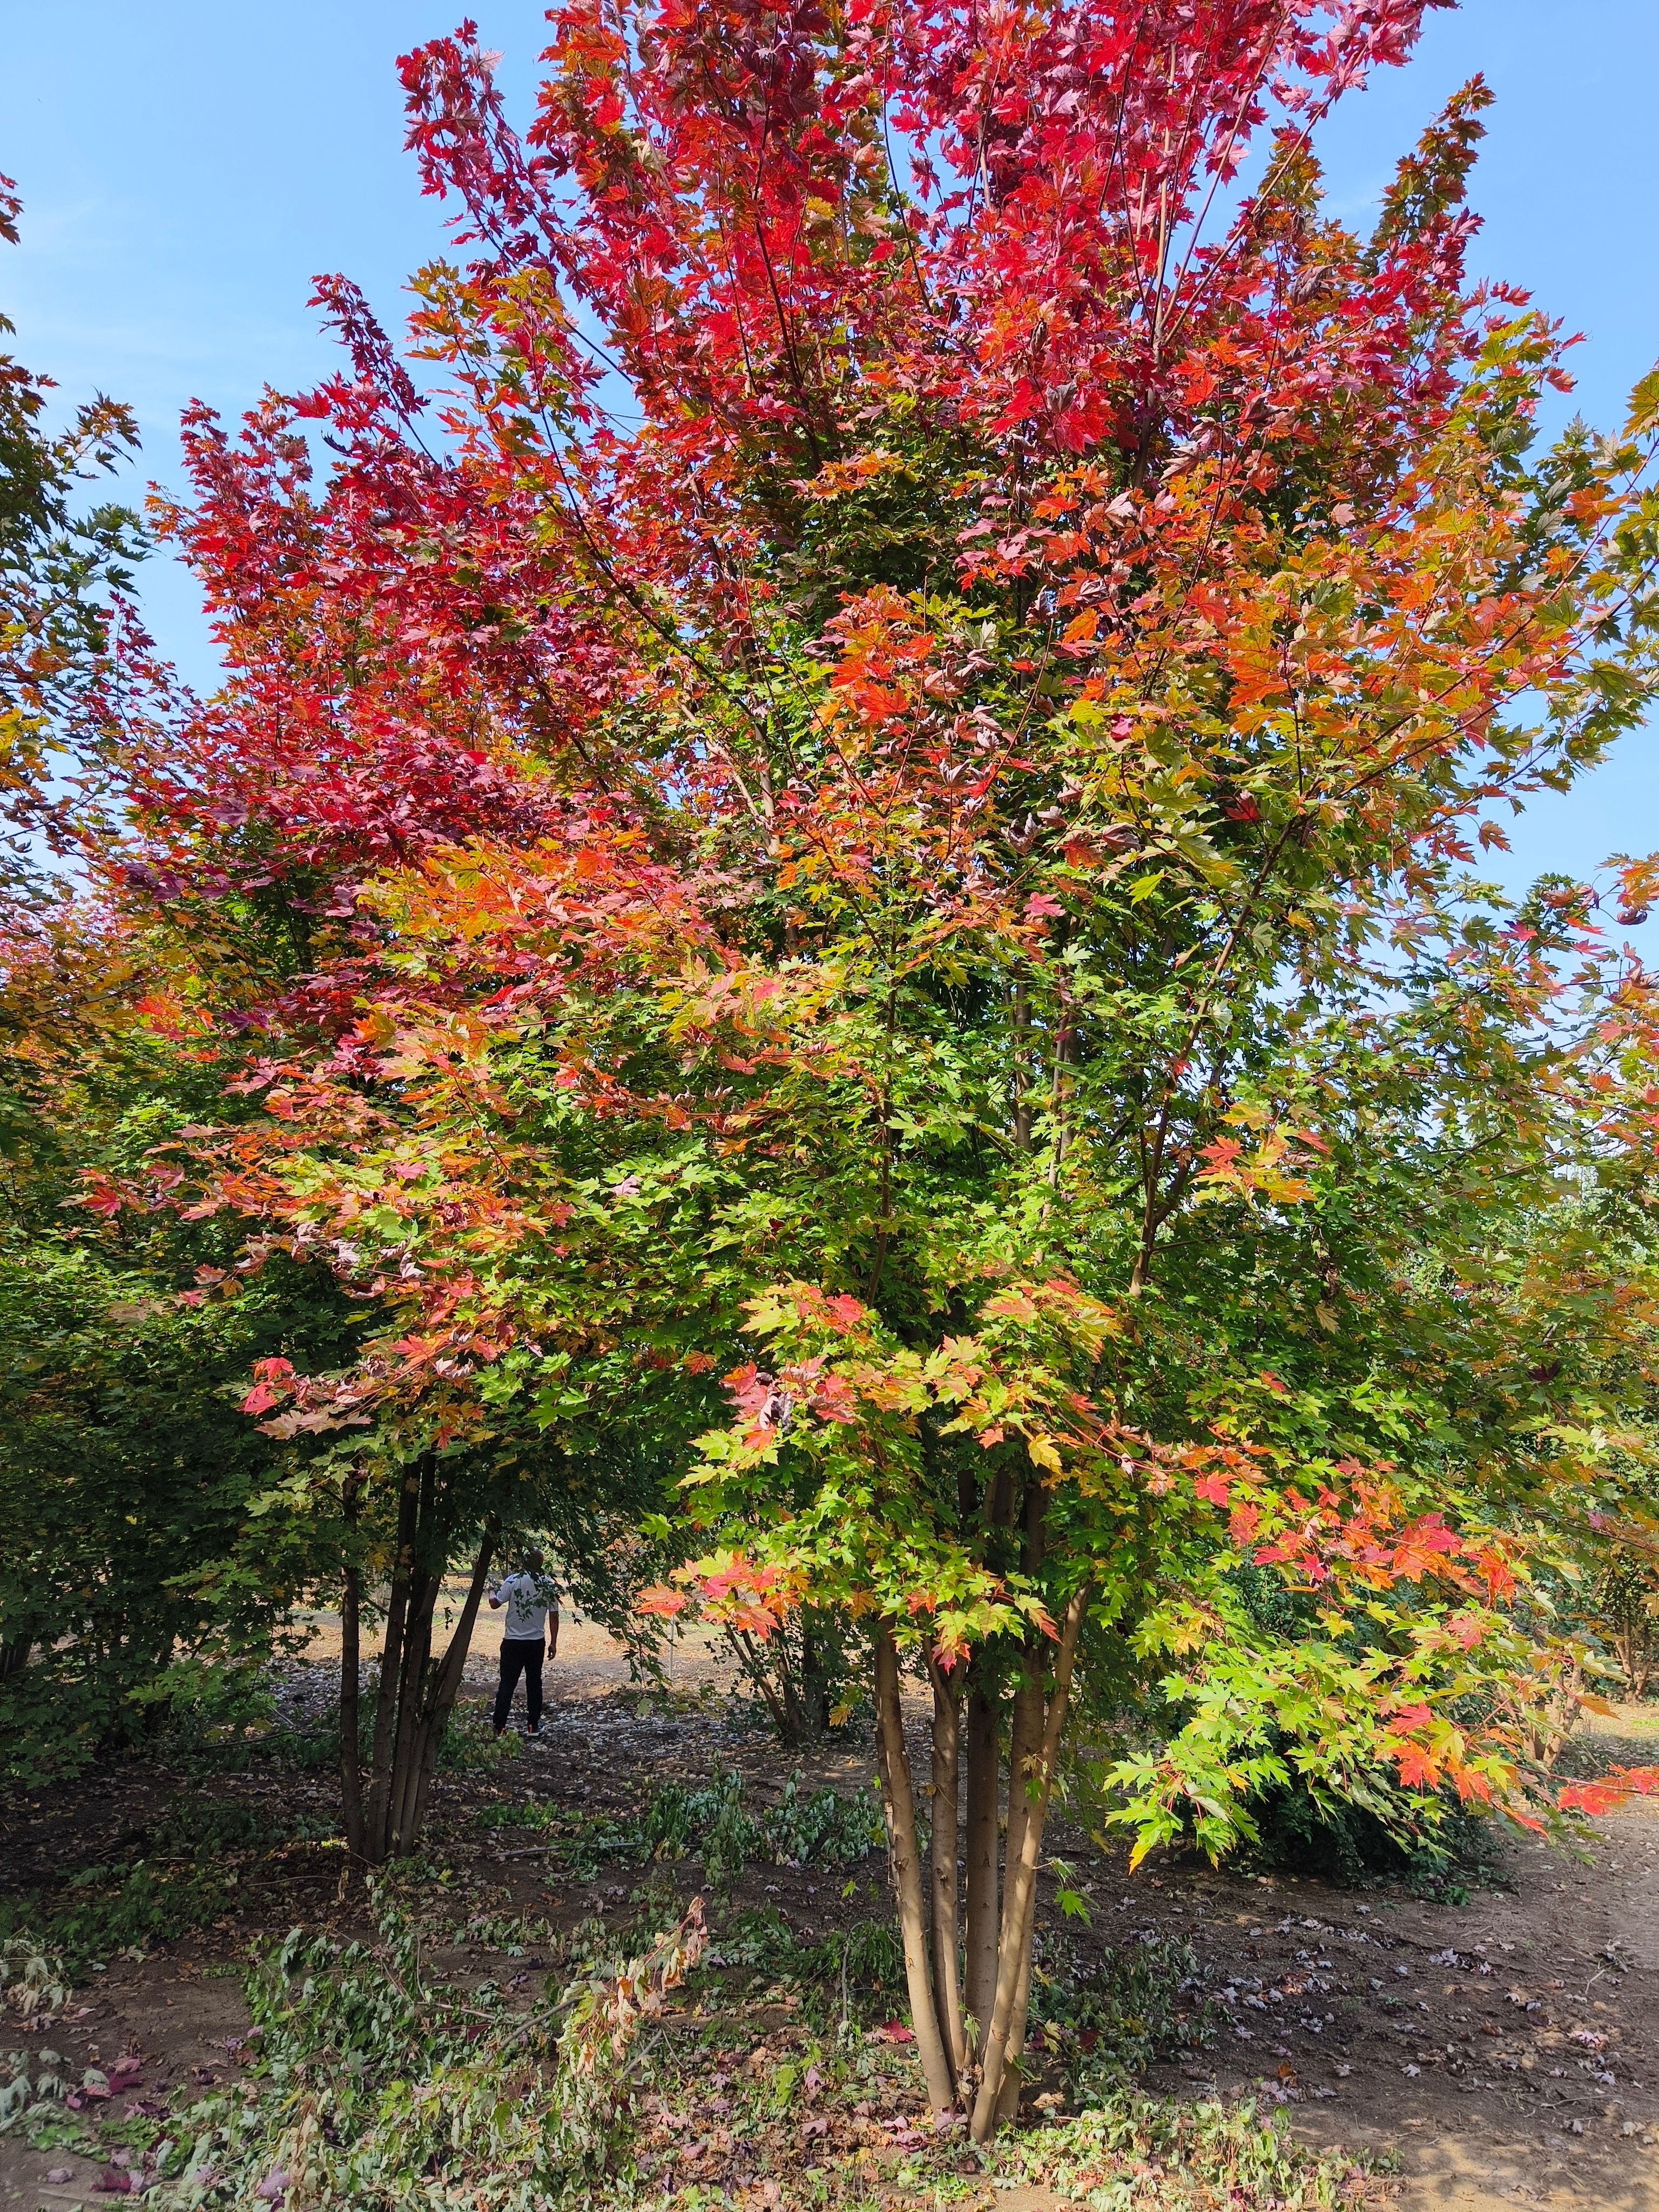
x=531 y=1603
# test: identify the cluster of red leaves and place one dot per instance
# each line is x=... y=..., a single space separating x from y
x=1610 y=1790
x=716 y=192
x=1360 y=1533
x=729 y=1588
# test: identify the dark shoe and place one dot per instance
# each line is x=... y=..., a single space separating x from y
x=531 y=1735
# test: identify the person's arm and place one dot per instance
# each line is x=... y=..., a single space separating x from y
x=553 y=1627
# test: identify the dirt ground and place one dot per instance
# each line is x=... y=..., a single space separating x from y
x=1506 y=2048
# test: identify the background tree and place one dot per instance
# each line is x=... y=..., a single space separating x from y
x=134 y=1579
x=61 y=578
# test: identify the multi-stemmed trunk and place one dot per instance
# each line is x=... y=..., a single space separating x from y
x=793 y=1685
x=969 y=1979
x=417 y=1687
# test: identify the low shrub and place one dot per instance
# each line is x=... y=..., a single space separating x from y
x=1355 y=1848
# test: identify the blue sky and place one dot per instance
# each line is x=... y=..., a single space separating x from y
x=187 y=165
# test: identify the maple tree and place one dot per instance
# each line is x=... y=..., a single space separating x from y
x=877 y=798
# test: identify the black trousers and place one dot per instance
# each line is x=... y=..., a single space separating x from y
x=520 y=1656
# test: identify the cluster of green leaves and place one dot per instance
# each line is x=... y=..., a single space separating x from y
x=1138 y=2153
x=820 y=1829
x=132 y=1579
x=1347 y=1843
x=140 y=1573
x=58 y=570
x=711 y=1824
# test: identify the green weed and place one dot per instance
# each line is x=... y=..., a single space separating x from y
x=101 y=1912
x=847 y=1979
x=711 y=1824
x=1135 y=2154
x=824 y=1829
x=1103 y=2023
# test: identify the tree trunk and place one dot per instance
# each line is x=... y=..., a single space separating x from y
x=1008 y=2097
x=1022 y=1073
x=416 y=1694
x=1025 y=1744
x=392 y=1659
x=816 y=1654
x=899 y=1803
x=980 y=1962
x=406 y=1744
x=796 y=1697
x=1025 y=1736
x=446 y=1684
x=351 y=1609
x=999 y=2048
x=755 y=1665
x=981 y=2065
x=1024 y=1740
x=425 y=1581
x=947 y=1792
x=1630 y=1647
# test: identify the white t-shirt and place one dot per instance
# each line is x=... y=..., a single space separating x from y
x=528 y=1599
